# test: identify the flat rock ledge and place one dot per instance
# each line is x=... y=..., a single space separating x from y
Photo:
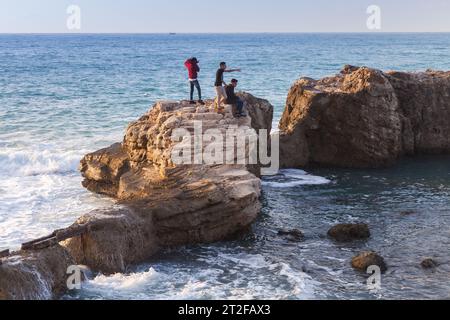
x=365 y=118
x=160 y=203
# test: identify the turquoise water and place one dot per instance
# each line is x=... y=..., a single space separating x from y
x=62 y=96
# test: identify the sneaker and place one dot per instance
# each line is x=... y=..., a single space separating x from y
x=201 y=102
x=192 y=102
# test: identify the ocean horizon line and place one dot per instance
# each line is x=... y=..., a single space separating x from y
x=227 y=33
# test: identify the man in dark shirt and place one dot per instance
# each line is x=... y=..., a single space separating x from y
x=219 y=84
x=232 y=98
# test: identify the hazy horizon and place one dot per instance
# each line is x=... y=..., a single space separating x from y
x=221 y=33
x=202 y=16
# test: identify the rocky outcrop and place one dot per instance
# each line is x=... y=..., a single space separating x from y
x=349 y=232
x=169 y=203
x=365 y=118
x=168 y=195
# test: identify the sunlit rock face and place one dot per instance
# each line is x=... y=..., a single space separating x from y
x=365 y=118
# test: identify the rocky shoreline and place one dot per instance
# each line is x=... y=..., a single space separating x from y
x=361 y=118
x=160 y=204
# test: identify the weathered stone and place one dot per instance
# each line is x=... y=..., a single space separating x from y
x=104 y=169
x=349 y=232
x=259 y=110
x=34 y=275
x=365 y=118
x=366 y=259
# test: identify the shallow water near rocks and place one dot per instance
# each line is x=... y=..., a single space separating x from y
x=406 y=207
x=62 y=96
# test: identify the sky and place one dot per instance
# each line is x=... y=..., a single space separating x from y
x=230 y=16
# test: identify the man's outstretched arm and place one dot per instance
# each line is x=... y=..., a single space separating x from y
x=232 y=70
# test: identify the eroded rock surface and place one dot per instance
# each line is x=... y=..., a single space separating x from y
x=365 y=118
x=34 y=275
x=169 y=203
x=161 y=203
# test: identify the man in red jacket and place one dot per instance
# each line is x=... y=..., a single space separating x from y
x=193 y=69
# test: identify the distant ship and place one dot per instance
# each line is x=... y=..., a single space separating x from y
x=172 y=33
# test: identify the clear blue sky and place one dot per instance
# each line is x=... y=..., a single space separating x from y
x=185 y=16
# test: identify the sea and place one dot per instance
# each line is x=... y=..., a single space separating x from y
x=62 y=96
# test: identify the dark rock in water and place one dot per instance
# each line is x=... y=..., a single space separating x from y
x=365 y=118
x=349 y=232
x=342 y=201
x=293 y=235
x=366 y=259
x=407 y=213
x=429 y=264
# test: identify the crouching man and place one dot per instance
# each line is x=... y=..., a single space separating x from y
x=232 y=98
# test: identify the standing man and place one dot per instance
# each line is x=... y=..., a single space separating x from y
x=232 y=98
x=193 y=69
x=219 y=84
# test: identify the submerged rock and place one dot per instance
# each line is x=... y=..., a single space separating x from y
x=407 y=213
x=429 y=264
x=161 y=202
x=366 y=259
x=349 y=232
x=293 y=235
x=365 y=118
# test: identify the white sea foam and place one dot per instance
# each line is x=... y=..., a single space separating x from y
x=289 y=178
x=32 y=206
x=37 y=161
x=40 y=190
x=228 y=276
x=122 y=282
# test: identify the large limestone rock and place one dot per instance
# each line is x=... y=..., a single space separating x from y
x=365 y=118
x=424 y=100
x=161 y=203
x=168 y=203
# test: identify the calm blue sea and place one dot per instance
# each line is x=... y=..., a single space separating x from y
x=62 y=96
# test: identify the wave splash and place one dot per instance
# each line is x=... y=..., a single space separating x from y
x=289 y=178
x=38 y=161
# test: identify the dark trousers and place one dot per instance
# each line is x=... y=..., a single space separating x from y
x=239 y=106
x=196 y=84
